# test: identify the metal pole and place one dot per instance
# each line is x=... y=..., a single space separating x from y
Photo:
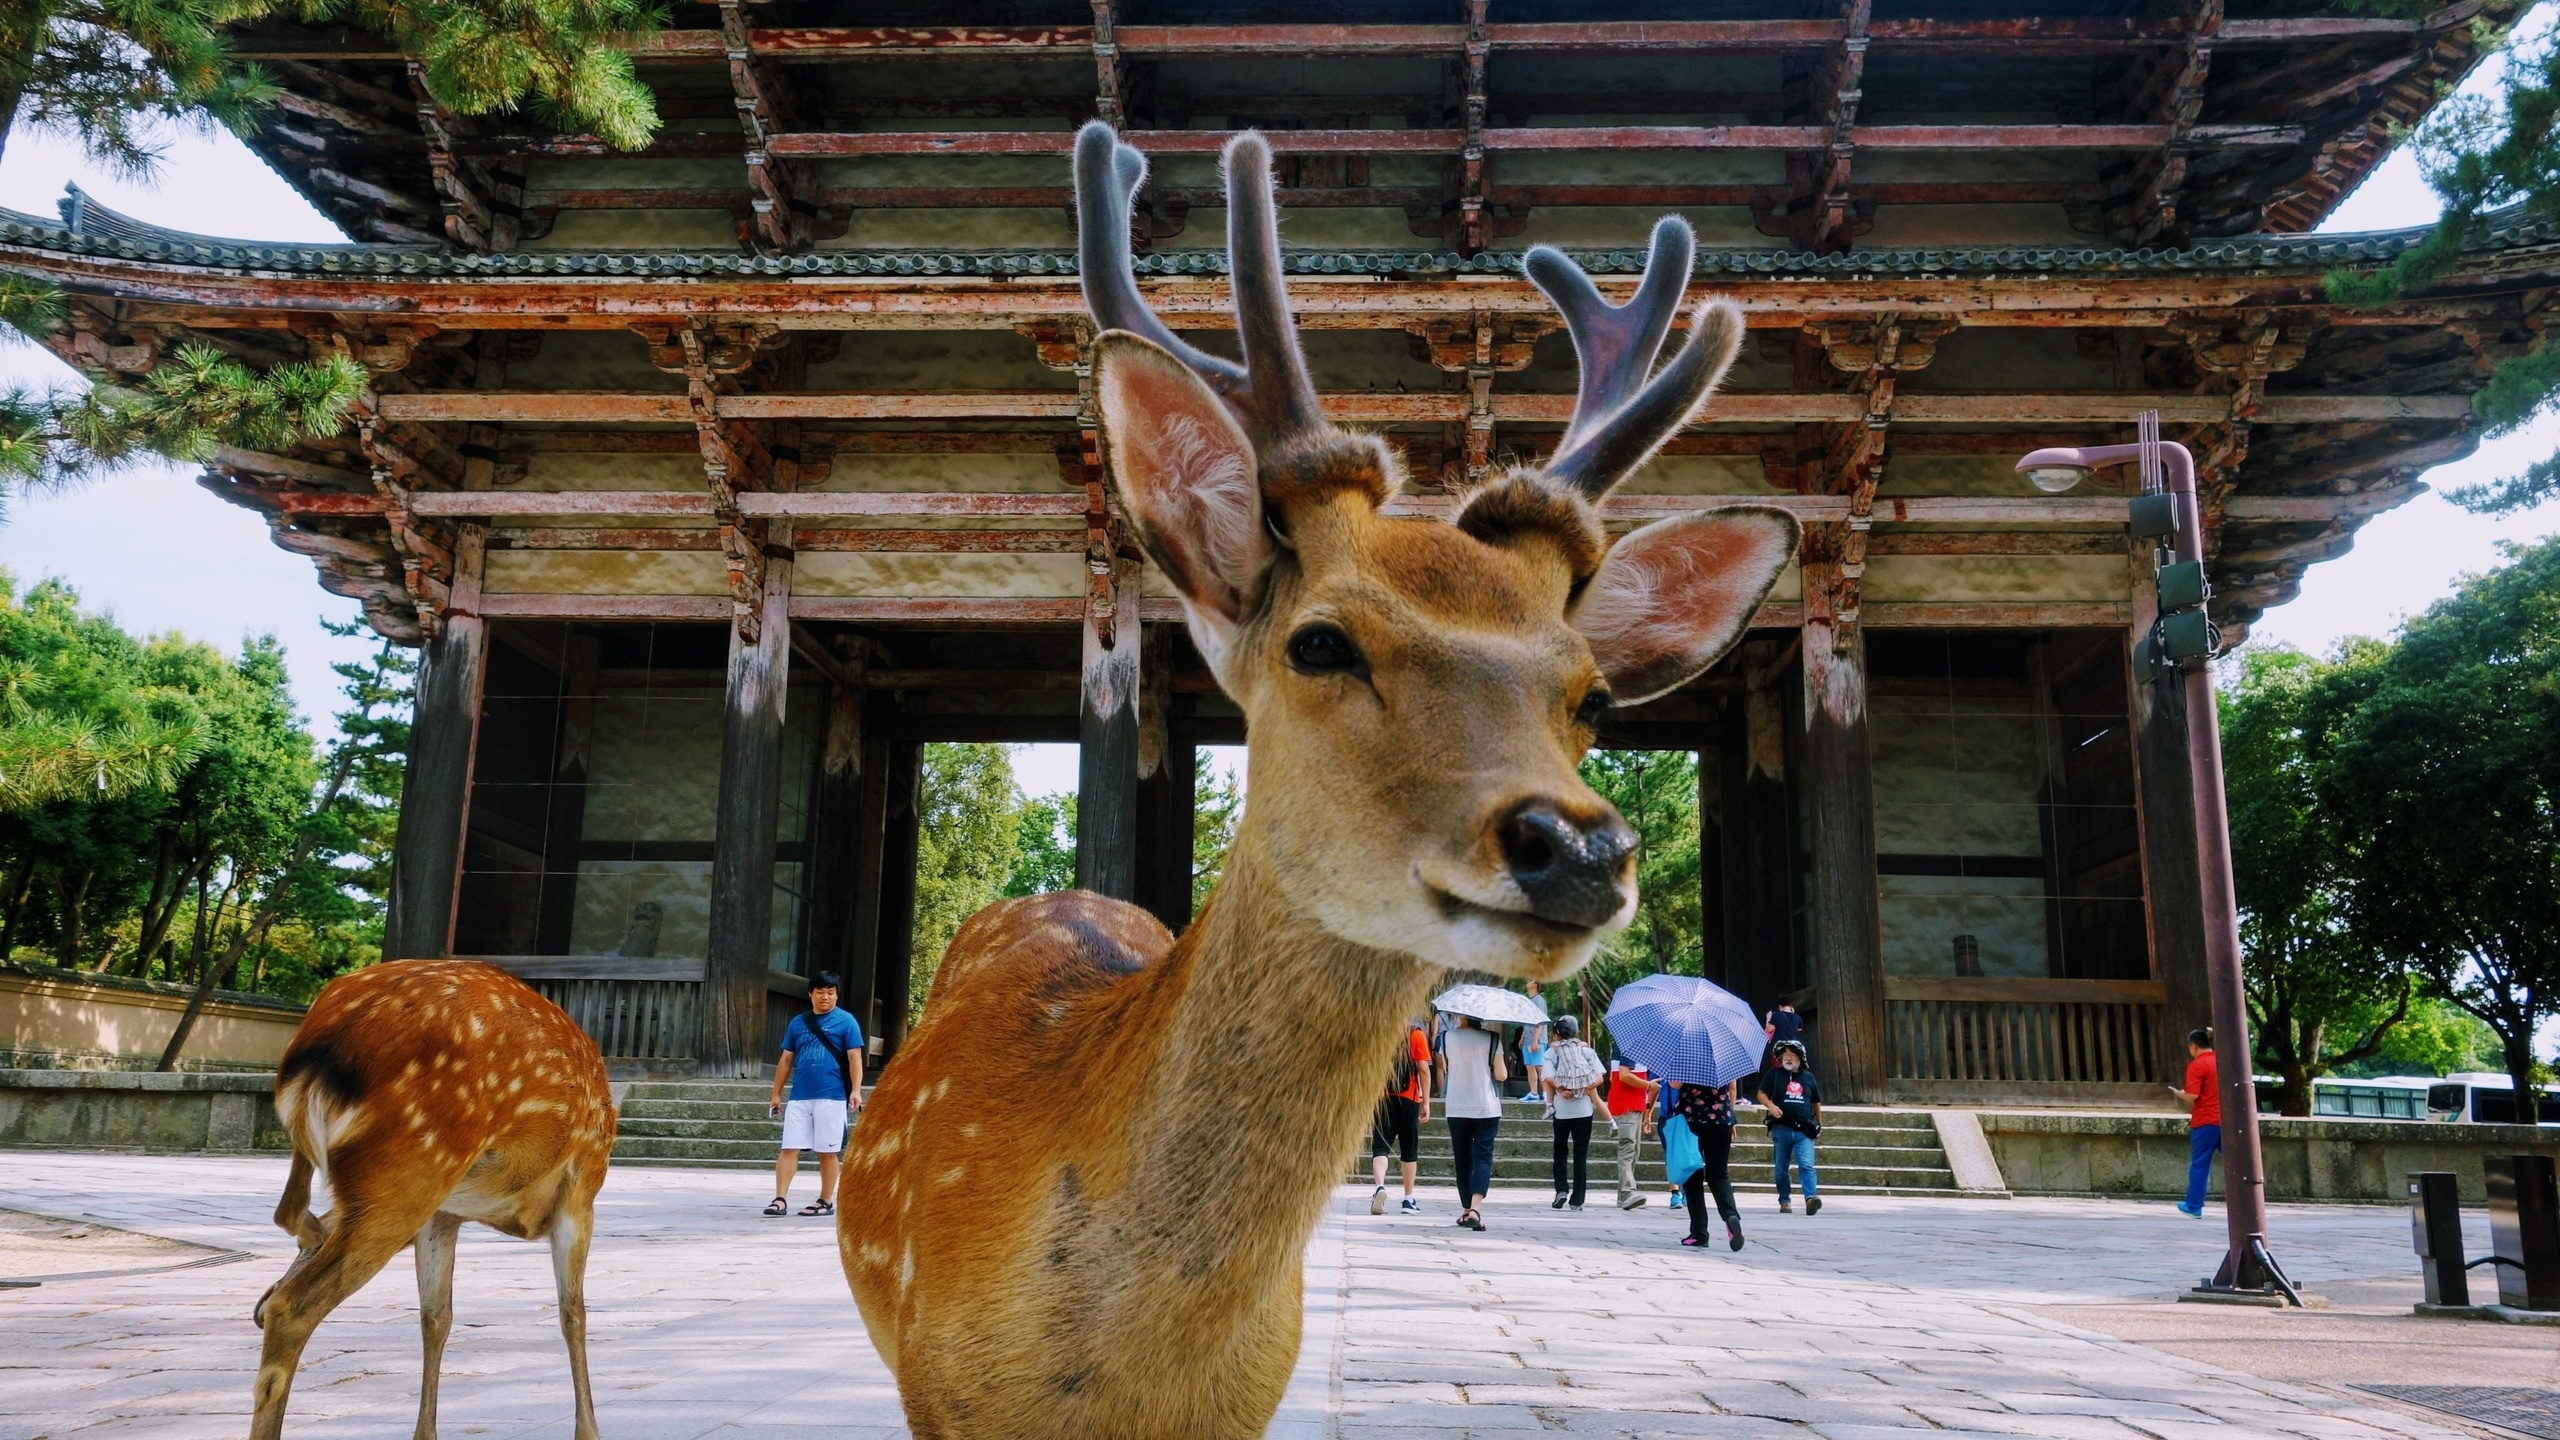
x=2247 y=1264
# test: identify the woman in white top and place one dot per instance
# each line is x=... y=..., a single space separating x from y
x=1573 y=1080
x=1474 y=1107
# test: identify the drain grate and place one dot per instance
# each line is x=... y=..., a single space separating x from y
x=2526 y=1412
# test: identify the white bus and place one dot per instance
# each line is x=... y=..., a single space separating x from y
x=2486 y=1098
x=2377 y=1097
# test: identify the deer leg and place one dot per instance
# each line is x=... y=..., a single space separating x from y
x=293 y=1208
x=434 y=1245
x=355 y=1246
x=570 y=1233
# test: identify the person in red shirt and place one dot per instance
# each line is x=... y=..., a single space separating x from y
x=1397 y=1125
x=2202 y=1095
x=1630 y=1104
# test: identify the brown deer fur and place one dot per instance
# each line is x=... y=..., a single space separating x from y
x=1077 y=1202
x=425 y=1093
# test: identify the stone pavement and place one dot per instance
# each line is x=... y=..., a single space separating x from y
x=1880 y=1317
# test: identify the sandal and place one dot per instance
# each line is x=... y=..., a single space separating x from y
x=819 y=1207
x=779 y=1206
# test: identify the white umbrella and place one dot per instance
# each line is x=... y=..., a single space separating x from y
x=1492 y=1004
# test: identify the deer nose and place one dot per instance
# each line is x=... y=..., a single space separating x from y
x=1568 y=871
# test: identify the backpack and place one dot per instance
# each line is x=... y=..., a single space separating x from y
x=1405 y=1068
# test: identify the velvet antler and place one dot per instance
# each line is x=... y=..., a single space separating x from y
x=1270 y=393
x=1619 y=417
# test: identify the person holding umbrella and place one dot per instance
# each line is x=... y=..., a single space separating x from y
x=1474 y=1071
x=1702 y=1038
x=1709 y=1111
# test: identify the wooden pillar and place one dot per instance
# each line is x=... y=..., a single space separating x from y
x=862 y=977
x=435 y=796
x=2172 y=880
x=1167 y=815
x=742 y=838
x=835 y=833
x=898 y=891
x=1759 y=858
x=1107 y=731
x=1712 y=743
x=1848 y=960
x=565 y=827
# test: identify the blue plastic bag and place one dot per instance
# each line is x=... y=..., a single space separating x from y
x=1680 y=1157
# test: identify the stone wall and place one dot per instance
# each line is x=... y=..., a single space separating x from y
x=69 y=1019
x=2053 y=1153
x=129 y=1110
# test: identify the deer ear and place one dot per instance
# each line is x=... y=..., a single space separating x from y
x=1671 y=598
x=1187 y=476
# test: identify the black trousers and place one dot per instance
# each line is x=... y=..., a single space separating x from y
x=1471 y=1145
x=1715 y=1146
x=1576 y=1135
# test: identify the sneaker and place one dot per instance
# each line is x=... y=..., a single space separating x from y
x=2195 y=1214
x=1411 y=1206
x=1679 y=1201
x=1575 y=1209
x=1785 y=1209
x=1813 y=1205
x=1692 y=1242
x=1378 y=1201
x=1559 y=1202
x=1632 y=1202
x=1733 y=1236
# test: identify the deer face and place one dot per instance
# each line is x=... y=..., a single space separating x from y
x=1419 y=691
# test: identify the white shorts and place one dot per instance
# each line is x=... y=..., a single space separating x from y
x=813 y=1125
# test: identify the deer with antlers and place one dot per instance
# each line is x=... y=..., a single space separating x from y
x=1077 y=1202
x=425 y=1093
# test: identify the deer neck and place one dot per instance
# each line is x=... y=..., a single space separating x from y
x=1279 y=1043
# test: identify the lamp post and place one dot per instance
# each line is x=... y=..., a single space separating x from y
x=2182 y=644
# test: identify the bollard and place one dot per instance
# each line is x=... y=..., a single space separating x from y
x=2435 y=1228
x=2524 y=1230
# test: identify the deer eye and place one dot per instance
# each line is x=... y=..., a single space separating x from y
x=1325 y=650
x=1596 y=702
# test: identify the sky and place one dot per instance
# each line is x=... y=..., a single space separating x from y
x=162 y=554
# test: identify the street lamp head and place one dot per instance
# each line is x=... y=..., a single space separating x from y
x=2055 y=479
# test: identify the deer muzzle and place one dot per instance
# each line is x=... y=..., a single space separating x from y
x=1571 y=873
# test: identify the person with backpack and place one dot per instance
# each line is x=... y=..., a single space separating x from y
x=1401 y=1114
x=1475 y=1076
x=1793 y=1100
x=1573 y=1080
x=822 y=1064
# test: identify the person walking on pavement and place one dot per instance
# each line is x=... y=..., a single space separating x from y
x=1401 y=1114
x=1534 y=1043
x=2202 y=1095
x=1573 y=1081
x=1474 y=1103
x=822 y=1064
x=1793 y=1100
x=1630 y=1102
x=1709 y=1111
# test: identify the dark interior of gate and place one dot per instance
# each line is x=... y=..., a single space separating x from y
x=717 y=478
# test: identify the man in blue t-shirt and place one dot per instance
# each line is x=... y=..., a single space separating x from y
x=822 y=1064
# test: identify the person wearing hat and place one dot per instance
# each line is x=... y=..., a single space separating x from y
x=1793 y=1100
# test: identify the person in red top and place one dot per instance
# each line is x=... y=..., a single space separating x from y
x=1630 y=1104
x=2202 y=1095
x=1397 y=1125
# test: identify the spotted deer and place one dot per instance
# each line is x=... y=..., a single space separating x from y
x=425 y=1093
x=1078 y=1200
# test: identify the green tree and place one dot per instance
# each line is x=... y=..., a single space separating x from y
x=968 y=834
x=2438 y=1038
x=1657 y=792
x=2321 y=993
x=1044 y=846
x=108 y=71
x=1217 y=803
x=2447 y=774
x=2482 y=154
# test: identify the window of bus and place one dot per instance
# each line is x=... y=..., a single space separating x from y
x=2006 y=837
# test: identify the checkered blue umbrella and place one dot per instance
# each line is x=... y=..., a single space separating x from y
x=1686 y=1029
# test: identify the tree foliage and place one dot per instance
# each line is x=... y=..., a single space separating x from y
x=2446 y=771
x=1217 y=803
x=2321 y=993
x=969 y=829
x=111 y=72
x=1044 y=846
x=1657 y=792
x=2480 y=155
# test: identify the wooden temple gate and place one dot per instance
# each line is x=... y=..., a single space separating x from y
x=716 y=480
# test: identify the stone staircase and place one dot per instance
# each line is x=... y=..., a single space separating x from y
x=1862 y=1152
x=722 y=1124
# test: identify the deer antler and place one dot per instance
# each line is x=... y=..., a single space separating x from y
x=1619 y=418
x=1270 y=393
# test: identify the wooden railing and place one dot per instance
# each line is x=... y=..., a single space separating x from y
x=633 y=1009
x=2023 y=1031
